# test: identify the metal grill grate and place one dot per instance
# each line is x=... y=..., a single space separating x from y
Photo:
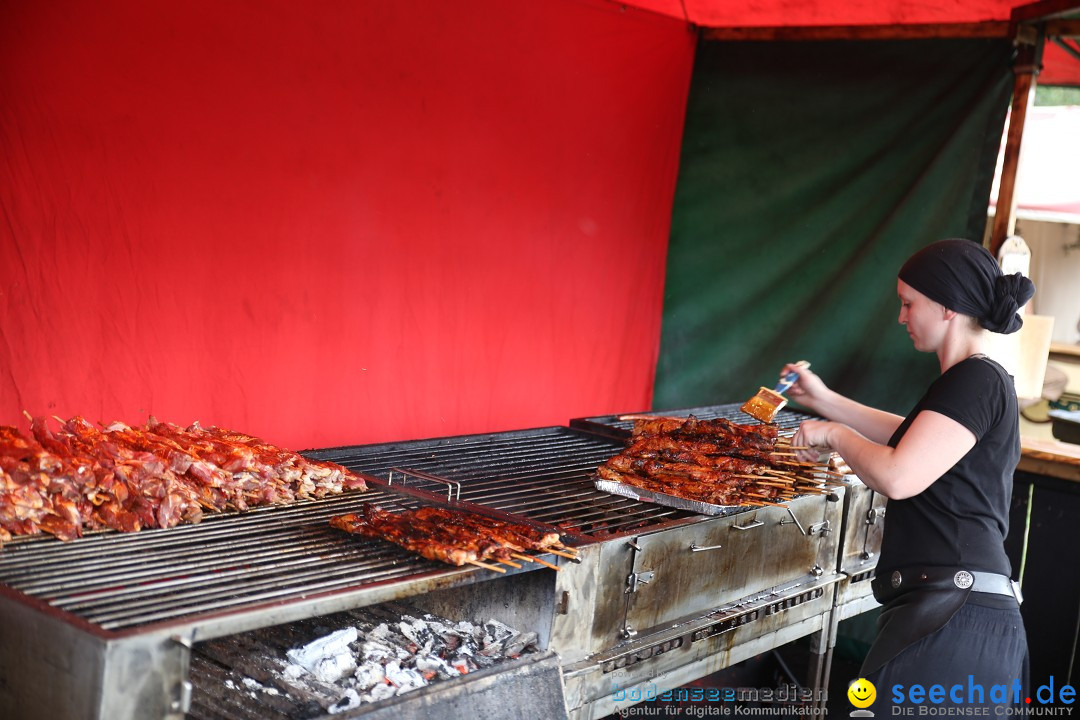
x=543 y=474
x=226 y=563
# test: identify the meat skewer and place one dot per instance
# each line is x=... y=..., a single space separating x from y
x=449 y=536
x=714 y=461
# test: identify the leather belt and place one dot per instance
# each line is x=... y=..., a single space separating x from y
x=985 y=582
x=910 y=578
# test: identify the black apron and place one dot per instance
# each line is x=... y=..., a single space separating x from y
x=918 y=602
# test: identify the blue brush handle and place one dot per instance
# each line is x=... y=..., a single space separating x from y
x=786 y=382
x=789 y=379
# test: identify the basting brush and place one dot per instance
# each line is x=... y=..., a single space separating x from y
x=766 y=403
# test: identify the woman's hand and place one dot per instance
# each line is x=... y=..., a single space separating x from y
x=809 y=389
x=813 y=437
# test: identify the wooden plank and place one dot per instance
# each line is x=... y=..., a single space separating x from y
x=1023 y=93
x=861 y=32
x=1044 y=10
x=1062 y=28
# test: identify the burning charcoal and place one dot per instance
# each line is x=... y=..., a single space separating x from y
x=432 y=663
x=405 y=679
x=498 y=631
x=419 y=633
x=380 y=692
x=369 y=674
x=350 y=701
x=333 y=668
x=335 y=643
x=516 y=645
x=379 y=632
x=483 y=660
x=377 y=652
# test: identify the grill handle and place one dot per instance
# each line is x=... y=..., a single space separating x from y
x=748 y=526
x=697 y=548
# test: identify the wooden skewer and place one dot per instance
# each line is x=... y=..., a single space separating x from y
x=530 y=558
x=562 y=553
x=767 y=502
x=511 y=564
x=486 y=566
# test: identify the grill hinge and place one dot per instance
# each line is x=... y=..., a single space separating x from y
x=637 y=579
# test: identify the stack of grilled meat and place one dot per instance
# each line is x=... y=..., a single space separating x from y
x=81 y=477
x=713 y=461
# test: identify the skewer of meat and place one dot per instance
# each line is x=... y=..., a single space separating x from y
x=423 y=538
x=760 y=437
x=515 y=535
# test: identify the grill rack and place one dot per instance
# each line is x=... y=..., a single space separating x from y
x=545 y=474
x=200 y=575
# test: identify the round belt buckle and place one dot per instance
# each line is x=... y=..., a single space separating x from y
x=896 y=579
x=963 y=580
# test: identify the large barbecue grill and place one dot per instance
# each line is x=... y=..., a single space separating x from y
x=108 y=625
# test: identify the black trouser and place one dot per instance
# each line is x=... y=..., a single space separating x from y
x=979 y=657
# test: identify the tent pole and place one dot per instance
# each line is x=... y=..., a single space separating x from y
x=1025 y=69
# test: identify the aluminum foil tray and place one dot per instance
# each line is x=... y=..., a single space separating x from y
x=636 y=493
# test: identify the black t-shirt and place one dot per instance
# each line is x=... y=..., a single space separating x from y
x=961 y=520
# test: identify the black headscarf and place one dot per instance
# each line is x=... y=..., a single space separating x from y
x=963 y=276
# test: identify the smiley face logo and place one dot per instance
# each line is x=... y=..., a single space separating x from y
x=862 y=693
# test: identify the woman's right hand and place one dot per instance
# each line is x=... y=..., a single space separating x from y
x=809 y=389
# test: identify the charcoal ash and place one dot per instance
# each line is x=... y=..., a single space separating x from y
x=372 y=654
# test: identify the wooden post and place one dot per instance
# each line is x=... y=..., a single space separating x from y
x=1025 y=69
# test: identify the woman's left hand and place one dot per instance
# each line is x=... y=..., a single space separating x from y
x=813 y=435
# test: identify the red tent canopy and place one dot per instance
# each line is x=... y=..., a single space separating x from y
x=1060 y=67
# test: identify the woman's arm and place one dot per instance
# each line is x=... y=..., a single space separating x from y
x=932 y=444
x=810 y=391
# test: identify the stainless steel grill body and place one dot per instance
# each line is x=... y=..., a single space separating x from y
x=110 y=618
x=864 y=522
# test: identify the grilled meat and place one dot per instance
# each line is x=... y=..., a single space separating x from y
x=712 y=461
x=447 y=535
x=81 y=477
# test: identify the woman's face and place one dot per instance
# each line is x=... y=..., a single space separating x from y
x=924 y=318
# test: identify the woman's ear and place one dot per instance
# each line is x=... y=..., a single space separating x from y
x=948 y=314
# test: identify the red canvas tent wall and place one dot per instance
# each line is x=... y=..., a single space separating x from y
x=348 y=222
x=335 y=222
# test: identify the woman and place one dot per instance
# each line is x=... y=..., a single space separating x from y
x=950 y=610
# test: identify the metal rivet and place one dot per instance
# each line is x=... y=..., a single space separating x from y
x=963 y=579
x=896 y=578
